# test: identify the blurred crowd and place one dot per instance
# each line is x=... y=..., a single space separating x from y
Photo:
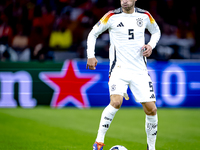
x=58 y=29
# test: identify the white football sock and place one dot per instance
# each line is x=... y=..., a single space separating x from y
x=106 y=119
x=151 y=130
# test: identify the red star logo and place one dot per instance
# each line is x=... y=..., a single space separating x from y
x=69 y=85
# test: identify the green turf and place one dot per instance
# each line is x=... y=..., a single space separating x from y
x=44 y=128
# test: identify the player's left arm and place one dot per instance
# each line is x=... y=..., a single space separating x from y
x=154 y=29
x=147 y=50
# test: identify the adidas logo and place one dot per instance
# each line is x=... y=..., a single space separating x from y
x=106 y=118
x=152 y=96
x=155 y=133
x=106 y=125
x=120 y=25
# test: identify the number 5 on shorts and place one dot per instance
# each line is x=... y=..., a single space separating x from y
x=151 y=86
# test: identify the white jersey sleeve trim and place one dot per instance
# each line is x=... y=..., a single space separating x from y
x=153 y=28
x=100 y=27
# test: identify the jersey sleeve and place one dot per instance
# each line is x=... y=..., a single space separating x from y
x=101 y=26
x=153 y=28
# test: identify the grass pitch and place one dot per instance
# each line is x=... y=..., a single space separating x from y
x=44 y=128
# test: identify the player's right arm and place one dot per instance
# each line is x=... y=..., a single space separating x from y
x=91 y=63
x=100 y=27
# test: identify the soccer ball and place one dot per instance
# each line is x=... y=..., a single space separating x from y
x=118 y=147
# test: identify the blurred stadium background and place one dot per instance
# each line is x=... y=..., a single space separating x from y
x=58 y=29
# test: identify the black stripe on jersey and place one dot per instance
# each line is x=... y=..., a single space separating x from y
x=118 y=10
x=145 y=61
x=113 y=63
x=140 y=10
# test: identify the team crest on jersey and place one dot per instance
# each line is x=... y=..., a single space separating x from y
x=113 y=87
x=140 y=22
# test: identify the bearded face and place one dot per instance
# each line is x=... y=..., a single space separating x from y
x=127 y=5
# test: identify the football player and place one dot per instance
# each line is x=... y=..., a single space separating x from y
x=127 y=54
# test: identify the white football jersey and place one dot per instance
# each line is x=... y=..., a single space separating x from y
x=127 y=37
